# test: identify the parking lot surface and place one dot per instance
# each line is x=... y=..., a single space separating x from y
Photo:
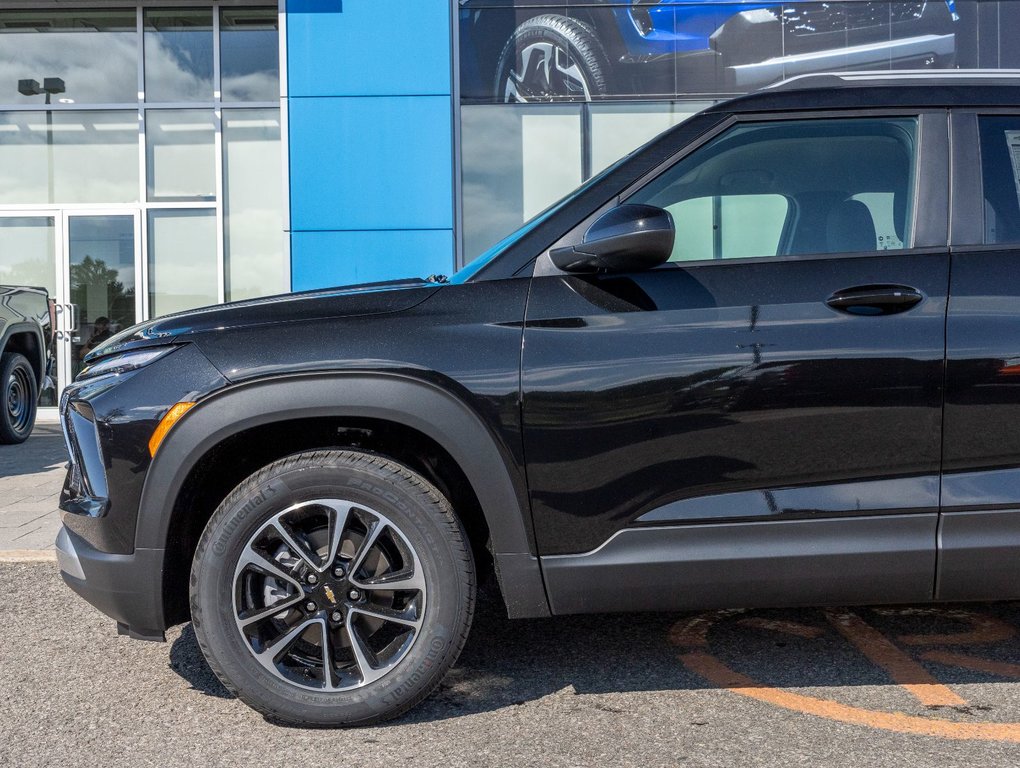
x=762 y=688
x=30 y=478
x=896 y=686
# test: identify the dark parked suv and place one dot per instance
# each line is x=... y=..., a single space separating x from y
x=771 y=358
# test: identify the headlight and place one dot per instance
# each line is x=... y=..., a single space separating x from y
x=128 y=361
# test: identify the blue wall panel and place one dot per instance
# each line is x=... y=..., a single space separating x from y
x=345 y=258
x=371 y=163
x=370 y=140
x=368 y=47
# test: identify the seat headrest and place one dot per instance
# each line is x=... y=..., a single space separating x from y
x=851 y=228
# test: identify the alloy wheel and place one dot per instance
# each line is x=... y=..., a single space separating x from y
x=329 y=595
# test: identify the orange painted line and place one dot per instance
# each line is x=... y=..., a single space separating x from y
x=903 y=670
x=1000 y=668
x=717 y=673
x=984 y=629
x=693 y=632
x=785 y=627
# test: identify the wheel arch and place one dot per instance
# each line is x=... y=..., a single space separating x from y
x=396 y=399
x=26 y=339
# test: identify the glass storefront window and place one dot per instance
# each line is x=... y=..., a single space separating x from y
x=253 y=207
x=249 y=54
x=182 y=260
x=180 y=156
x=94 y=53
x=517 y=161
x=68 y=157
x=27 y=253
x=178 y=55
x=617 y=129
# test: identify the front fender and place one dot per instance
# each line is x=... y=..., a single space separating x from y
x=419 y=405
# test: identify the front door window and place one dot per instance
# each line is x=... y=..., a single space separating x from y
x=791 y=188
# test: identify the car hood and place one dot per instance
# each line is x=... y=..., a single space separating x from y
x=367 y=299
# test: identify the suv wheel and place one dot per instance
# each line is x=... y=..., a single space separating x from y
x=18 y=395
x=332 y=588
x=552 y=58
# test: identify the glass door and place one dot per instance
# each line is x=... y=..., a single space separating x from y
x=28 y=256
x=102 y=269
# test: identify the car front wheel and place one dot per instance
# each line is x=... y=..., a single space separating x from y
x=332 y=588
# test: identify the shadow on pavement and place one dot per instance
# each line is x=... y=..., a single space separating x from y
x=509 y=663
x=42 y=452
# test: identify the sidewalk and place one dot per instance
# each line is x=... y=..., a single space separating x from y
x=31 y=475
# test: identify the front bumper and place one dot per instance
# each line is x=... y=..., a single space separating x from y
x=127 y=588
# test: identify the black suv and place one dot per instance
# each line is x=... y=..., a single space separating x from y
x=770 y=358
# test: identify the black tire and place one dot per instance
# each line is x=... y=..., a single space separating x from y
x=573 y=43
x=411 y=506
x=19 y=397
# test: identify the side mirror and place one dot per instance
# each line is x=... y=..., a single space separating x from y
x=628 y=238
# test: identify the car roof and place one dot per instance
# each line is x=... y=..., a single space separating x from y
x=870 y=90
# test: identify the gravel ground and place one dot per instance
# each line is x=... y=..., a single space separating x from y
x=576 y=691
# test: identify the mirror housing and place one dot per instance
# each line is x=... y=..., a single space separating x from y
x=629 y=238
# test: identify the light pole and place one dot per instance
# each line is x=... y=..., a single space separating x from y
x=50 y=86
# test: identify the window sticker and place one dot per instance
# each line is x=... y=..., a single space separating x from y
x=1013 y=143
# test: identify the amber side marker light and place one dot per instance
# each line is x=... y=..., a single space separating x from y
x=166 y=424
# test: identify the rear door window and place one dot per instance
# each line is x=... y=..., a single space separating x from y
x=1000 y=175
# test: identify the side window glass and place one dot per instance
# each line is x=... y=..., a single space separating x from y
x=792 y=187
x=731 y=226
x=1000 y=174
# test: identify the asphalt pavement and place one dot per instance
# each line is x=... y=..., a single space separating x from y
x=899 y=686
x=799 y=688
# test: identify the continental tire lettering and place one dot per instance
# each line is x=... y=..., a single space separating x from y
x=436 y=647
x=221 y=543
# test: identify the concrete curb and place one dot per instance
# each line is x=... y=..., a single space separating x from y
x=28 y=556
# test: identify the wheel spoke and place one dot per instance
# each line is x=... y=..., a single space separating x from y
x=361 y=655
x=297 y=549
x=330 y=679
x=397 y=582
x=261 y=563
x=272 y=610
x=397 y=617
x=337 y=524
x=269 y=654
x=366 y=546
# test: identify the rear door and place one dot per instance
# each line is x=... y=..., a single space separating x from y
x=759 y=420
x=980 y=526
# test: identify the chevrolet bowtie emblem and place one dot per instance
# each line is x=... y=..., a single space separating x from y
x=329 y=594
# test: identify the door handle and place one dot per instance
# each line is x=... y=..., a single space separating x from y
x=875 y=299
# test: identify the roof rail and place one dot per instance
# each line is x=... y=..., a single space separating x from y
x=911 y=76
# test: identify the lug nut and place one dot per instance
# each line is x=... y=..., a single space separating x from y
x=312 y=578
x=338 y=572
x=310 y=606
x=354 y=594
x=337 y=616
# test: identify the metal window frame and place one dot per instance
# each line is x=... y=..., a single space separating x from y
x=140 y=107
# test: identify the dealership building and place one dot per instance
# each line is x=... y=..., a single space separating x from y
x=160 y=156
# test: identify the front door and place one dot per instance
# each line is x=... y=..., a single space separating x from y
x=757 y=422
x=100 y=267
x=89 y=262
